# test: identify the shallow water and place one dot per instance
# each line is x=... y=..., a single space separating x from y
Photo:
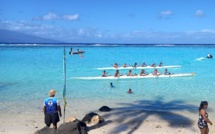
x=28 y=73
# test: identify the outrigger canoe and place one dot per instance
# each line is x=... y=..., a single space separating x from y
x=135 y=77
x=139 y=67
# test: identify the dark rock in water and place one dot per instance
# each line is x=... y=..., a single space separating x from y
x=105 y=109
x=76 y=127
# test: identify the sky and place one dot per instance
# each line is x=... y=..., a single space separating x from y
x=113 y=21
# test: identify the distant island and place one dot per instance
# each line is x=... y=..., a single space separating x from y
x=7 y=36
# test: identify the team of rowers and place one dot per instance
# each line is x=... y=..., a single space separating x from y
x=142 y=73
x=135 y=65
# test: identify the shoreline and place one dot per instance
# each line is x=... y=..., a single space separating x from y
x=122 y=119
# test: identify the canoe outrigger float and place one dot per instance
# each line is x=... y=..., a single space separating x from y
x=139 y=67
x=135 y=77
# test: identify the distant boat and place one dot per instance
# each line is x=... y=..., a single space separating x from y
x=209 y=56
x=76 y=52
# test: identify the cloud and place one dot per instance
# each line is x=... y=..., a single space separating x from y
x=93 y=34
x=200 y=13
x=53 y=16
x=165 y=14
x=50 y=16
x=71 y=17
x=208 y=31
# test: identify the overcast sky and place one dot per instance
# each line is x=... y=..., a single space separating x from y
x=112 y=21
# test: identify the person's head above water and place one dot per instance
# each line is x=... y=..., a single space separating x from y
x=129 y=91
x=111 y=84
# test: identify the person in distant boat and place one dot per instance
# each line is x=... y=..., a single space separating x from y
x=160 y=64
x=117 y=74
x=203 y=118
x=125 y=65
x=153 y=65
x=166 y=72
x=111 y=85
x=135 y=64
x=156 y=73
x=70 y=52
x=130 y=73
x=143 y=73
x=115 y=65
x=80 y=51
x=77 y=52
x=209 y=56
x=143 y=65
x=104 y=74
x=52 y=110
x=129 y=91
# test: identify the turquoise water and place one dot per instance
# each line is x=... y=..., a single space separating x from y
x=28 y=73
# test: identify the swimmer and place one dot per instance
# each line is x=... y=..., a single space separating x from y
x=111 y=85
x=129 y=91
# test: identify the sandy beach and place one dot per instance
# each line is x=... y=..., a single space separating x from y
x=121 y=120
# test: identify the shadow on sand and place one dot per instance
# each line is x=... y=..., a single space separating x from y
x=137 y=112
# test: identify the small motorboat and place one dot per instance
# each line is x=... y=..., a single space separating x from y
x=209 y=56
x=76 y=52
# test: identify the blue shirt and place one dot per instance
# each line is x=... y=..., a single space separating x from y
x=51 y=104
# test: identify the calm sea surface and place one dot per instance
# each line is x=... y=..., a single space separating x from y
x=29 y=72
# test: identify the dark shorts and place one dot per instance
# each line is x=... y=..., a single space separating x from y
x=51 y=118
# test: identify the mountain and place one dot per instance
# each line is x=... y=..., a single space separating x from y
x=7 y=36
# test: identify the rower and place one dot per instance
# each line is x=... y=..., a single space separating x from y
x=156 y=73
x=166 y=72
x=135 y=64
x=117 y=74
x=115 y=65
x=153 y=65
x=160 y=64
x=143 y=73
x=104 y=74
